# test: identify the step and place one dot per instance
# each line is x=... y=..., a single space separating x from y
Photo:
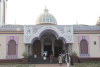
x=41 y=61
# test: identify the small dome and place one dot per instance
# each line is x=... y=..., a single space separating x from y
x=98 y=21
x=46 y=19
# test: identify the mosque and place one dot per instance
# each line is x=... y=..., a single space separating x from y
x=47 y=35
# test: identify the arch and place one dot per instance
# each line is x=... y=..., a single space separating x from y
x=12 y=47
x=48 y=46
x=83 y=47
x=48 y=30
x=58 y=47
x=37 y=48
x=47 y=40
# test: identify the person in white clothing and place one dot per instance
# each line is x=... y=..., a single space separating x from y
x=66 y=59
x=69 y=59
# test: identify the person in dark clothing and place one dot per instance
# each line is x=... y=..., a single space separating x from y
x=71 y=60
x=51 y=52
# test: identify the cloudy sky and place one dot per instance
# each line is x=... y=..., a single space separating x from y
x=66 y=12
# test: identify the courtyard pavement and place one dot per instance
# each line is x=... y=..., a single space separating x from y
x=36 y=65
x=51 y=65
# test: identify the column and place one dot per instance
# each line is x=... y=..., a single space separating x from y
x=64 y=47
x=70 y=49
x=42 y=47
x=27 y=48
x=53 y=46
x=30 y=49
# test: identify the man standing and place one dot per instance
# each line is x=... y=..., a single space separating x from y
x=69 y=60
x=60 y=60
x=51 y=57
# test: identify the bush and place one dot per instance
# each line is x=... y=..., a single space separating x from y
x=74 y=53
x=25 y=54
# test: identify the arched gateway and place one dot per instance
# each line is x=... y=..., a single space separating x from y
x=47 y=36
x=32 y=33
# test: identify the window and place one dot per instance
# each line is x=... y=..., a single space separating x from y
x=83 y=47
x=12 y=48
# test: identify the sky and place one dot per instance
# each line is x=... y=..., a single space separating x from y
x=66 y=12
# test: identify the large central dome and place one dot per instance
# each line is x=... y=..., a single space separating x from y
x=46 y=19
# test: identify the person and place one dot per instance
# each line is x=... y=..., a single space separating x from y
x=68 y=63
x=44 y=56
x=45 y=52
x=51 y=52
x=51 y=57
x=64 y=55
x=66 y=59
x=71 y=60
x=60 y=60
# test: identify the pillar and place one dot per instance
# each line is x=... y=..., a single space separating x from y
x=26 y=48
x=70 y=49
x=64 y=47
x=53 y=46
x=42 y=48
x=30 y=50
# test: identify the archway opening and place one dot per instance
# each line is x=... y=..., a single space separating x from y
x=37 y=48
x=58 y=47
x=48 y=46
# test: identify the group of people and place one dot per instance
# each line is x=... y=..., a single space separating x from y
x=62 y=57
x=66 y=58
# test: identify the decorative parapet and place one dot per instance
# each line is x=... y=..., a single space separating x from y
x=33 y=32
x=12 y=28
x=86 y=27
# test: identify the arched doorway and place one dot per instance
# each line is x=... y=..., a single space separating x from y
x=37 y=48
x=48 y=46
x=57 y=47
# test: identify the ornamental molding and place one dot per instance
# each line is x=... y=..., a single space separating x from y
x=63 y=32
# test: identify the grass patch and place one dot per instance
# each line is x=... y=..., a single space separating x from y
x=16 y=65
x=86 y=65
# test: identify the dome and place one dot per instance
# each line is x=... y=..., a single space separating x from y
x=98 y=21
x=46 y=19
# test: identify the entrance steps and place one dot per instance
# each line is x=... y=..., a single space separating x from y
x=32 y=60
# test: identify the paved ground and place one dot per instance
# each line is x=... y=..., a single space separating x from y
x=36 y=65
x=50 y=65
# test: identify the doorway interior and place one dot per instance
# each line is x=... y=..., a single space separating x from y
x=48 y=46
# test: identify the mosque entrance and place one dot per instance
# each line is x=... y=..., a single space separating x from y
x=57 y=47
x=48 y=46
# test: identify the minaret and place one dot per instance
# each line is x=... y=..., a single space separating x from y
x=3 y=11
x=98 y=21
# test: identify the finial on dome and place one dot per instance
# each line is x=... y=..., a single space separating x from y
x=46 y=10
x=45 y=7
